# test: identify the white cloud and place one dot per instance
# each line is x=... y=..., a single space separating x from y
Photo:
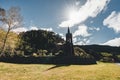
x=77 y=3
x=47 y=29
x=33 y=28
x=91 y=9
x=21 y=29
x=83 y=41
x=113 y=21
x=94 y=28
x=82 y=35
x=63 y=36
x=82 y=31
x=79 y=43
x=4 y=26
x=113 y=42
x=24 y=29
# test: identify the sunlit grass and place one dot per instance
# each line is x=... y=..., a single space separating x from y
x=101 y=71
x=11 y=40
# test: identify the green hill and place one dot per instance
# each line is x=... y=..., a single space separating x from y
x=11 y=41
x=102 y=52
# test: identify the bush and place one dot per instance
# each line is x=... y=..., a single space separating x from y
x=105 y=54
x=42 y=52
x=59 y=53
x=81 y=53
x=19 y=53
x=107 y=59
x=118 y=58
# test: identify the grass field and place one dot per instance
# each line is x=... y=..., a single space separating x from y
x=100 y=71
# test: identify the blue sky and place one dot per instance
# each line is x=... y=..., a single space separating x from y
x=90 y=21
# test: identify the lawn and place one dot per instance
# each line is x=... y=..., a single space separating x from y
x=100 y=71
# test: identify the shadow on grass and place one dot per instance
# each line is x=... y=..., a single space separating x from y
x=56 y=66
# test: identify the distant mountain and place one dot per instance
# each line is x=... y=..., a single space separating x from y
x=97 y=50
x=101 y=48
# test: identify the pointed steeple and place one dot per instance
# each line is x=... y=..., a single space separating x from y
x=68 y=30
x=68 y=36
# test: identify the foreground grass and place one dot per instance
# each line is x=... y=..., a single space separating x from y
x=101 y=71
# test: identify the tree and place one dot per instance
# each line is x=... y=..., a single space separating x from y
x=34 y=40
x=11 y=19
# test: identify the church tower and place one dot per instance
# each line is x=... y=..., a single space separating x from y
x=69 y=50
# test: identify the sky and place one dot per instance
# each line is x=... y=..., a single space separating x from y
x=90 y=21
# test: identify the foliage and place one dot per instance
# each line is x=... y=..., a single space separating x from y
x=101 y=51
x=118 y=56
x=105 y=54
x=101 y=48
x=80 y=52
x=34 y=40
x=42 y=52
x=59 y=53
x=107 y=59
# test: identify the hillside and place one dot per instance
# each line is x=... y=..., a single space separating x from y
x=102 y=51
x=11 y=41
x=101 y=48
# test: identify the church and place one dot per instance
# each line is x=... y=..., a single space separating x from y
x=68 y=46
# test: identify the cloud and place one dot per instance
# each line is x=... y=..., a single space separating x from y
x=63 y=36
x=21 y=29
x=82 y=35
x=33 y=28
x=90 y=9
x=77 y=3
x=24 y=29
x=94 y=28
x=113 y=42
x=113 y=21
x=78 y=41
x=82 y=31
x=47 y=29
x=4 y=26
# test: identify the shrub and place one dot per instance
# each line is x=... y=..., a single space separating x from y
x=81 y=53
x=118 y=58
x=105 y=54
x=42 y=52
x=59 y=53
x=107 y=59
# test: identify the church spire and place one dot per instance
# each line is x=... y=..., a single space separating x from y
x=68 y=36
x=68 y=30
